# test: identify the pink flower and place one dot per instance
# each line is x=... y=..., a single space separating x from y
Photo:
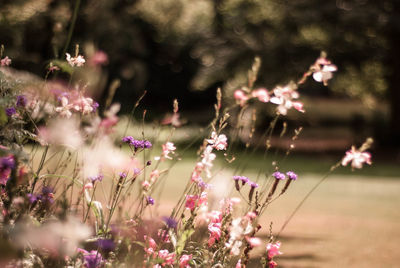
x=75 y=61
x=215 y=216
x=99 y=58
x=5 y=62
x=184 y=261
x=215 y=233
x=356 y=158
x=168 y=258
x=261 y=94
x=167 y=149
x=324 y=74
x=283 y=97
x=218 y=142
x=154 y=175
x=240 y=97
x=208 y=158
x=273 y=249
x=272 y=264
x=65 y=108
x=191 y=201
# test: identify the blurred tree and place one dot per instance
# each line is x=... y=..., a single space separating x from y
x=185 y=49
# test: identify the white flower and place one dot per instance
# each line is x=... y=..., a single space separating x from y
x=75 y=61
x=64 y=110
x=356 y=158
x=208 y=158
x=283 y=97
x=218 y=142
x=324 y=74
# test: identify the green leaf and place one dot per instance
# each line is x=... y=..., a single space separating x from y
x=182 y=240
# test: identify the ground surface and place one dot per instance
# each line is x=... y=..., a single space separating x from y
x=349 y=221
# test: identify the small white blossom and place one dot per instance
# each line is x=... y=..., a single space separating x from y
x=75 y=61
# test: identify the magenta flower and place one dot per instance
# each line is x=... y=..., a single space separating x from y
x=273 y=249
x=278 y=175
x=150 y=200
x=291 y=175
x=215 y=233
x=191 y=201
x=92 y=259
x=356 y=158
x=272 y=264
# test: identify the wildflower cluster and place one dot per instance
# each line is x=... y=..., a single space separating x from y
x=73 y=196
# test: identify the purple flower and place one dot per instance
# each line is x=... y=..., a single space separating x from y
x=99 y=177
x=122 y=175
x=203 y=186
x=106 y=244
x=291 y=175
x=236 y=178
x=92 y=259
x=32 y=198
x=147 y=144
x=47 y=195
x=128 y=139
x=170 y=222
x=10 y=111
x=253 y=184
x=150 y=201
x=95 y=105
x=136 y=171
x=21 y=101
x=278 y=175
x=7 y=162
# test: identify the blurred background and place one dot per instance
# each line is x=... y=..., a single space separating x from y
x=186 y=49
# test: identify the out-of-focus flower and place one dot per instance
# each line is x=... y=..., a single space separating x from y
x=168 y=148
x=150 y=200
x=78 y=61
x=214 y=216
x=254 y=241
x=291 y=175
x=170 y=222
x=273 y=249
x=184 y=261
x=6 y=61
x=168 y=258
x=7 y=163
x=218 y=142
x=208 y=158
x=61 y=132
x=215 y=233
x=261 y=94
x=238 y=229
x=65 y=108
x=21 y=101
x=92 y=259
x=10 y=111
x=106 y=244
x=98 y=58
x=283 y=97
x=239 y=264
x=191 y=201
x=356 y=158
x=278 y=175
x=272 y=264
x=240 y=97
x=60 y=238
